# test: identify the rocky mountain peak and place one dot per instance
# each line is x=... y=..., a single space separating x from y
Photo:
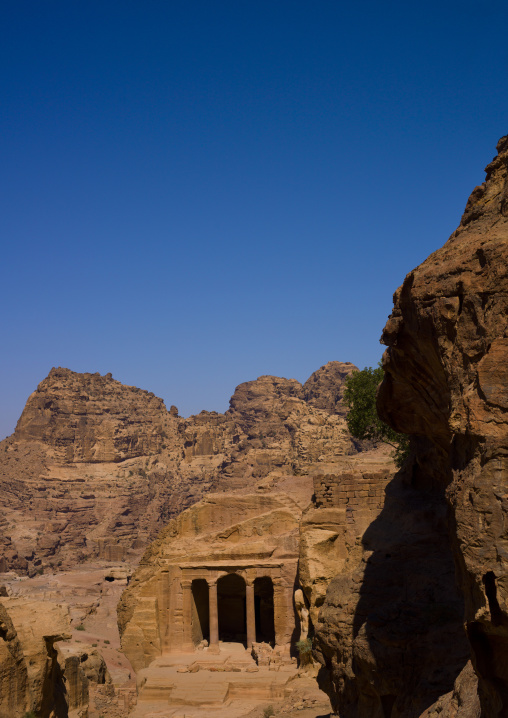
x=89 y=417
x=490 y=199
x=325 y=388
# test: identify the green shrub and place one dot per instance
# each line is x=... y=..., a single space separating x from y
x=268 y=712
x=29 y=714
x=80 y=627
x=304 y=647
x=106 y=640
x=362 y=418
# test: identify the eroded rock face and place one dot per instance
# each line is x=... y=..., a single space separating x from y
x=96 y=468
x=92 y=418
x=14 y=697
x=33 y=674
x=446 y=382
x=40 y=670
x=325 y=388
x=381 y=591
x=343 y=505
x=391 y=635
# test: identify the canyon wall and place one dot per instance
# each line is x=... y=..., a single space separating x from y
x=447 y=383
x=395 y=638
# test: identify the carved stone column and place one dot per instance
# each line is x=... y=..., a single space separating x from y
x=213 y=616
x=282 y=608
x=251 y=615
x=187 y=616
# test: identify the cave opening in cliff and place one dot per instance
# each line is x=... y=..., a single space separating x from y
x=231 y=609
x=263 y=604
x=200 y=611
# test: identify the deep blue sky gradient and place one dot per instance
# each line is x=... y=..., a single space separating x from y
x=197 y=193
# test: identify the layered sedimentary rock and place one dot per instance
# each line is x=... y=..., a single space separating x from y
x=398 y=642
x=96 y=468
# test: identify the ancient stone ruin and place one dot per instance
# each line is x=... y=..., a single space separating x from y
x=223 y=571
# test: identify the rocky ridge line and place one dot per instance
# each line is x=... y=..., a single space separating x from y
x=95 y=468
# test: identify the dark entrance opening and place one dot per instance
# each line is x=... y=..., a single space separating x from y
x=263 y=602
x=200 y=611
x=231 y=608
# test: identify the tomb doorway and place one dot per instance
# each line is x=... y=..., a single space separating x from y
x=265 y=616
x=200 y=611
x=231 y=609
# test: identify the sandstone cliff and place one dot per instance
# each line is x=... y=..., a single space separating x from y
x=36 y=675
x=395 y=637
x=96 y=468
x=447 y=358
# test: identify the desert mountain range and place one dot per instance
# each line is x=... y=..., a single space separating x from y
x=96 y=468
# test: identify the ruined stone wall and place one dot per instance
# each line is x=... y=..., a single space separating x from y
x=352 y=491
x=344 y=505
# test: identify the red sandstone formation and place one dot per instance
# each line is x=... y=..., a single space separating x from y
x=392 y=637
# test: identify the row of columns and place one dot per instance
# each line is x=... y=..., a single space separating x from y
x=214 y=615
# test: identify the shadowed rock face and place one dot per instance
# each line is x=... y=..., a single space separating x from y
x=390 y=636
x=446 y=382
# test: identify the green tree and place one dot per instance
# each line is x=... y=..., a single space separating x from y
x=362 y=418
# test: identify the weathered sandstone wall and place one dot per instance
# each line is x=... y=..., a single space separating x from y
x=34 y=674
x=395 y=637
x=447 y=383
x=343 y=505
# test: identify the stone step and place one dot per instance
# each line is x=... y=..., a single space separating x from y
x=208 y=694
x=154 y=691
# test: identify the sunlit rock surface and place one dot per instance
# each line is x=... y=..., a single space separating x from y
x=96 y=468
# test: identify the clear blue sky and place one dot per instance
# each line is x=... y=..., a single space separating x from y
x=198 y=192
